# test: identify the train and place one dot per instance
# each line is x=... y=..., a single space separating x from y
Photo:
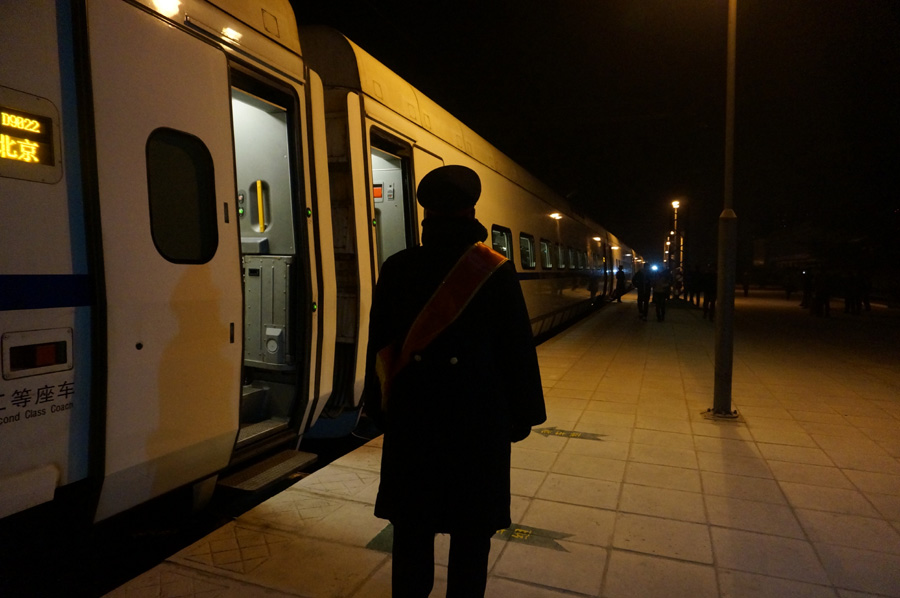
x=194 y=208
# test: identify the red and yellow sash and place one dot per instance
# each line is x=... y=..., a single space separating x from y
x=449 y=300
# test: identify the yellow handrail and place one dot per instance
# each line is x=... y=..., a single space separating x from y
x=259 y=201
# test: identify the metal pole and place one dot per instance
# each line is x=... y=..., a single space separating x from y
x=675 y=233
x=727 y=247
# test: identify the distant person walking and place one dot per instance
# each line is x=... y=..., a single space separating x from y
x=662 y=286
x=452 y=379
x=821 y=305
x=621 y=289
x=641 y=282
x=692 y=286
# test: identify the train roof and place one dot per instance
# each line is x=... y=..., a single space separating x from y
x=272 y=18
x=342 y=63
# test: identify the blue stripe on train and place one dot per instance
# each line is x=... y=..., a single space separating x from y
x=24 y=291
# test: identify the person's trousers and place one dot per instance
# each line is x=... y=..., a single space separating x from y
x=413 y=563
x=643 y=305
x=659 y=299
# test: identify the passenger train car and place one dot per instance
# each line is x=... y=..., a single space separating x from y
x=194 y=207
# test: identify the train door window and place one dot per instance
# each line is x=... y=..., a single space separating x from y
x=571 y=258
x=392 y=198
x=526 y=250
x=501 y=240
x=561 y=255
x=546 y=255
x=181 y=187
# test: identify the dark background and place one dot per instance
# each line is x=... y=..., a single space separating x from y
x=620 y=104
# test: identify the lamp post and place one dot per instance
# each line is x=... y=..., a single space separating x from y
x=675 y=205
x=727 y=247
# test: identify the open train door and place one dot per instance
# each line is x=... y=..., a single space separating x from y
x=161 y=108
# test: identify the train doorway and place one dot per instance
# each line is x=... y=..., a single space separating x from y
x=392 y=199
x=275 y=276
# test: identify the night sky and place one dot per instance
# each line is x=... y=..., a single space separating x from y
x=620 y=104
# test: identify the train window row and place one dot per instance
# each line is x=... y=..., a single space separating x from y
x=396 y=228
x=526 y=248
x=565 y=257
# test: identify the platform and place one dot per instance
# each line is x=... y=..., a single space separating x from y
x=628 y=491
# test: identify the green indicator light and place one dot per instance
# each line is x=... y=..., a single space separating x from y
x=309 y=212
x=315 y=307
x=241 y=211
x=374 y=222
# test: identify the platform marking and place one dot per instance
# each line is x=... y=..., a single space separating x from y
x=554 y=431
x=533 y=536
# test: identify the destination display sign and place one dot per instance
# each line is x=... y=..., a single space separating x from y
x=26 y=138
x=30 y=142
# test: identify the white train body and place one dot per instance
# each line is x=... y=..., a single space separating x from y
x=192 y=224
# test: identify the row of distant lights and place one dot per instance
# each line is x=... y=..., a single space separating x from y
x=558 y=216
x=170 y=8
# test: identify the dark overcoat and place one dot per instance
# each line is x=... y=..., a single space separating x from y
x=455 y=408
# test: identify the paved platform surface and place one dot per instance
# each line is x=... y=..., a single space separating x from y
x=629 y=491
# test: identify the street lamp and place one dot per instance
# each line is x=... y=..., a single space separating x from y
x=678 y=244
x=724 y=360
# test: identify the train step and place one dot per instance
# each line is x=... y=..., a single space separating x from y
x=269 y=471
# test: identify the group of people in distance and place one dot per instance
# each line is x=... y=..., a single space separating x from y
x=660 y=284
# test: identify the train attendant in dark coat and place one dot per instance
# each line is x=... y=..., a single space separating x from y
x=452 y=379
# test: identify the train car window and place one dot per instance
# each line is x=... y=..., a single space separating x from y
x=181 y=186
x=526 y=250
x=561 y=255
x=546 y=255
x=501 y=240
x=571 y=256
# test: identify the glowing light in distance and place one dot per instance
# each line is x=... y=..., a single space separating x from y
x=556 y=216
x=167 y=8
x=654 y=267
x=614 y=247
x=598 y=239
x=676 y=204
